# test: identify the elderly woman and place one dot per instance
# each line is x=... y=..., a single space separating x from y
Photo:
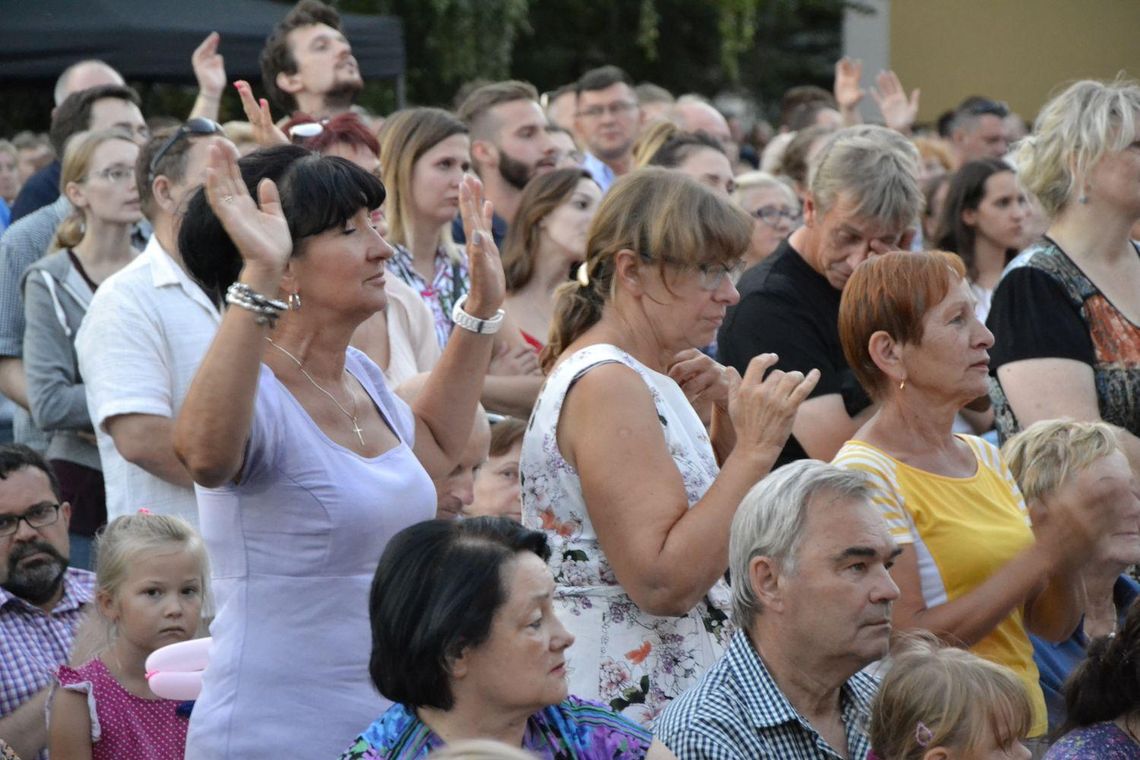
x=634 y=493
x=465 y=639
x=1067 y=313
x=306 y=462
x=1047 y=459
x=497 y=491
x=978 y=575
x=775 y=210
x=98 y=178
x=547 y=240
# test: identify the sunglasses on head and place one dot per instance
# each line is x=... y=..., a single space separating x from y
x=198 y=127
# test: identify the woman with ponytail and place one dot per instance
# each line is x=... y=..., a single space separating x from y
x=1103 y=699
x=98 y=177
x=635 y=494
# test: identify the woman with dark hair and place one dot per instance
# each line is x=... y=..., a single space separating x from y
x=1102 y=698
x=980 y=575
x=306 y=463
x=465 y=640
x=983 y=221
x=547 y=239
x=635 y=494
x=699 y=156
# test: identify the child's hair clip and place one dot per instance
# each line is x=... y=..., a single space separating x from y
x=144 y=511
x=922 y=734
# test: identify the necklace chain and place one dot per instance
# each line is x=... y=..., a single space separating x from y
x=351 y=415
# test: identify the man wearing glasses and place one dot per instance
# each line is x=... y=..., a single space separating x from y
x=863 y=199
x=608 y=119
x=41 y=600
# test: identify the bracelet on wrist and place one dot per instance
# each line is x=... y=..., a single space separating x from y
x=474 y=324
x=266 y=309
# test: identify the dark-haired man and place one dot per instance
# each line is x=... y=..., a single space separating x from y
x=145 y=333
x=978 y=130
x=607 y=119
x=307 y=63
x=509 y=145
x=41 y=600
x=104 y=107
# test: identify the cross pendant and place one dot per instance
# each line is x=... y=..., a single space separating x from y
x=359 y=431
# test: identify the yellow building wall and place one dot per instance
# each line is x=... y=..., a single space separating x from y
x=1019 y=51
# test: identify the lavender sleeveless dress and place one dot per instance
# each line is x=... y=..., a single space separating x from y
x=293 y=548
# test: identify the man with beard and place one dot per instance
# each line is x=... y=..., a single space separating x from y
x=41 y=599
x=509 y=145
x=307 y=63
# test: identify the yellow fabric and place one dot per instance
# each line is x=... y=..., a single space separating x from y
x=964 y=530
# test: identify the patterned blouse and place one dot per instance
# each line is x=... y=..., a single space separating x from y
x=572 y=730
x=447 y=285
x=1104 y=741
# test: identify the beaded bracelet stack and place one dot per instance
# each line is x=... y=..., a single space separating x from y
x=266 y=309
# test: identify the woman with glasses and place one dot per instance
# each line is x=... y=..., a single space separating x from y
x=547 y=240
x=635 y=494
x=98 y=177
x=775 y=210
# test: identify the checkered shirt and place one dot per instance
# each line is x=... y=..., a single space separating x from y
x=737 y=711
x=33 y=643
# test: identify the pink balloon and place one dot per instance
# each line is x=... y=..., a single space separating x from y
x=175 y=671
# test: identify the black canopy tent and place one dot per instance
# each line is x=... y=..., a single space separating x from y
x=151 y=40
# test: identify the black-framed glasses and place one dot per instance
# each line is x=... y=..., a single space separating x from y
x=771 y=215
x=37 y=516
x=199 y=126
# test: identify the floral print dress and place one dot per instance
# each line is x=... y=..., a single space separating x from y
x=624 y=657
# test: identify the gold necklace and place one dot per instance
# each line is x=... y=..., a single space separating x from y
x=351 y=415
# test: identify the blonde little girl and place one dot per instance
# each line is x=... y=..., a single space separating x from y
x=151 y=576
x=941 y=703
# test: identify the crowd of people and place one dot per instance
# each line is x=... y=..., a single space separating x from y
x=589 y=424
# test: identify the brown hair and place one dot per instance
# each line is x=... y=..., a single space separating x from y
x=659 y=214
x=276 y=56
x=506 y=433
x=940 y=696
x=481 y=100
x=892 y=293
x=542 y=195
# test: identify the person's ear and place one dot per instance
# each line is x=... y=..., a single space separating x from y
x=160 y=191
x=809 y=209
x=483 y=153
x=76 y=194
x=937 y=753
x=628 y=271
x=65 y=513
x=764 y=577
x=969 y=216
x=457 y=666
x=106 y=604
x=290 y=83
x=887 y=355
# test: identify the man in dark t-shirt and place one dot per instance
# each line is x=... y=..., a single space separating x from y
x=863 y=199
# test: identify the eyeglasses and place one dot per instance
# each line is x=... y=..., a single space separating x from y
x=116 y=174
x=198 y=126
x=709 y=276
x=38 y=516
x=619 y=108
x=306 y=130
x=771 y=215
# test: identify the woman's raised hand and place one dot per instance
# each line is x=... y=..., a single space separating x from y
x=763 y=409
x=488 y=284
x=265 y=132
x=259 y=230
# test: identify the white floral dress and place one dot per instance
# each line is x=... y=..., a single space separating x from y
x=629 y=659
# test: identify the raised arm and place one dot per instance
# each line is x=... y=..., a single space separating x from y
x=665 y=554
x=445 y=409
x=214 y=424
x=210 y=71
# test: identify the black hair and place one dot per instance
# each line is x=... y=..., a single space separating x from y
x=436 y=591
x=680 y=146
x=16 y=456
x=1106 y=685
x=601 y=78
x=966 y=192
x=317 y=193
x=74 y=113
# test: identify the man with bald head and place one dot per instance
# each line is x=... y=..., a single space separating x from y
x=693 y=113
x=42 y=187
